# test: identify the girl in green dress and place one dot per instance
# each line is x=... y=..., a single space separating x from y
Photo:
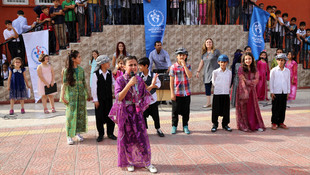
x=74 y=95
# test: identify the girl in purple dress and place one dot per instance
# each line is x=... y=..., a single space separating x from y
x=132 y=99
x=247 y=110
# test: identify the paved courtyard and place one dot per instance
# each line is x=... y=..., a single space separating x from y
x=35 y=143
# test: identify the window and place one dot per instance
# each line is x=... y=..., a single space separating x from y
x=15 y=2
x=44 y=2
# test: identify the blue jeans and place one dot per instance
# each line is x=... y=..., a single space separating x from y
x=246 y=21
x=94 y=8
x=109 y=18
x=117 y=14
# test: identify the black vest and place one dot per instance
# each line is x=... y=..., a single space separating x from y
x=104 y=87
x=148 y=81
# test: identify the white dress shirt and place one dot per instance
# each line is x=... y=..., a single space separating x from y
x=221 y=81
x=158 y=84
x=20 y=24
x=94 y=83
x=280 y=81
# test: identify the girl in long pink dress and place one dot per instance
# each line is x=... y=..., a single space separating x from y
x=263 y=70
x=247 y=110
x=292 y=66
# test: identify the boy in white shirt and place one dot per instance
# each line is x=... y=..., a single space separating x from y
x=152 y=82
x=221 y=79
x=279 y=90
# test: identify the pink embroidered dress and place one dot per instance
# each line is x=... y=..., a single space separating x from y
x=247 y=110
x=133 y=141
x=292 y=66
x=261 y=87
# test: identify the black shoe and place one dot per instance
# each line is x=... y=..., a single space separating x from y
x=100 y=138
x=214 y=128
x=160 y=133
x=112 y=137
x=227 y=128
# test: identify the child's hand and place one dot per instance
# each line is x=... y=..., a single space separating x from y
x=8 y=88
x=28 y=86
x=96 y=104
x=88 y=99
x=183 y=63
x=173 y=98
x=272 y=96
x=47 y=85
x=114 y=71
x=132 y=81
x=65 y=101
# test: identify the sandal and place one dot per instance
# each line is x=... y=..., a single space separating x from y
x=53 y=110
x=46 y=111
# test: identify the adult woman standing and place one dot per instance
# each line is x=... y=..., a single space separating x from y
x=208 y=63
x=120 y=50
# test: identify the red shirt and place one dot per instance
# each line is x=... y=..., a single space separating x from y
x=181 y=81
x=48 y=24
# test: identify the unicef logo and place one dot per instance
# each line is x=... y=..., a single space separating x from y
x=155 y=18
x=257 y=34
x=36 y=52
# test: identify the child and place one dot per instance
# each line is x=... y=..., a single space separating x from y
x=152 y=82
x=202 y=11
x=74 y=96
x=279 y=89
x=70 y=19
x=57 y=14
x=16 y=83
x=221 y=79
x=8 y=34
x=93 y=64
x=247 y=110
x=180 y=73
x=119 y=68
x=46 y=78
x=306 y=49
x=174 y=6
x=300 y=36
x=48 y=25
x=271 y=23
x=263 y=70
x=132 y=99
x=274 y=60
x=292 y=66
x=276 y=32
x=234 y=68
x=5 y=71
x=289 y=35
x=101 y=89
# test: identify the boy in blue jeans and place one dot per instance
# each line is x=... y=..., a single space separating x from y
x=180 y=73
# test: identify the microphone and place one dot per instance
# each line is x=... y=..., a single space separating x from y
x=132 y=74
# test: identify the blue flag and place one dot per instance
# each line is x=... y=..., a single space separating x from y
x=256 y=32
x=155 y=13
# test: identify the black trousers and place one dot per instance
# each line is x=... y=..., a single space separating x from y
x=71 y=31
x=181 y=12
x=221 y=107
x=15 y=49
x=102 y=117
x=220 y=11
x=275 y=39
x=181 y=106
x=278 y=109
x=152 y=110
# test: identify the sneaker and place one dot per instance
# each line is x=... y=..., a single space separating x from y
x=274 y=126
x=185 y=129
x=22 y=111
x=282 y=125
x=152 y=169
x=79 y=138
x=11 y=112
x=69 y=141
x=227 y=128
x=214 y=128
x=131 y=168
x=174 y=130
x=260 y=129
x=160 y=133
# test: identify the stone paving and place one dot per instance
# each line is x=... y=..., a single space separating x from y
x=34 y=143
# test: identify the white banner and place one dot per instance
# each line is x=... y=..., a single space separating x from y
x=36 y=43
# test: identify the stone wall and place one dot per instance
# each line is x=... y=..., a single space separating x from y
x=227 y=38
